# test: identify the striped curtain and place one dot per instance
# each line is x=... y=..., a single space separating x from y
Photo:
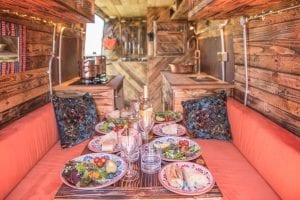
x=11 y=29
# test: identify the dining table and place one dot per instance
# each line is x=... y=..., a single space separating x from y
x=147 y=186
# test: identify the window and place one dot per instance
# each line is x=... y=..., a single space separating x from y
x=93 y=37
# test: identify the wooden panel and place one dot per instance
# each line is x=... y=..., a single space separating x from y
x=135 y=74
x=57 y=10
x=156 y=64
x=274 y=70
x=220 y=9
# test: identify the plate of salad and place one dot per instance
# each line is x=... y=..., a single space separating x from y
x=168 y=116
x=109 y=125
x=92 y=171
x=177 y=148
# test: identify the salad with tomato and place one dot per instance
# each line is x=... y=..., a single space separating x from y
x=88 y=174
x=167 y=116
x=111 y=125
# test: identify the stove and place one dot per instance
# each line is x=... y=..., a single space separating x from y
x=93 y=81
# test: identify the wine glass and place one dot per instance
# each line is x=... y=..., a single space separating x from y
x=129 y=144
x=146 y=122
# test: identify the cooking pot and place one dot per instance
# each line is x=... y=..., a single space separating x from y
x=89 y=69
x=100 y=61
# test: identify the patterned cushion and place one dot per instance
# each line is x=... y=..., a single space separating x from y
x=206 y=117
x=76 y=118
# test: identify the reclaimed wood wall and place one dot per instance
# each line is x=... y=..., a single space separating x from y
x=274 y=68
x=23 y=92
x=273 y=60
x=158 y=63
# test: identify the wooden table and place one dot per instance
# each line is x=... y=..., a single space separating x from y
x=146 y=187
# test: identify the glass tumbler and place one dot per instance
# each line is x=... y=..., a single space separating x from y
x=150 y=159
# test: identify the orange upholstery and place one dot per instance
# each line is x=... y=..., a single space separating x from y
x=273 y=151
x=43 y=181
x=23 y=144
x=235 y=176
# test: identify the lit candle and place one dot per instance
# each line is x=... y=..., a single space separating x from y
x=145 y=92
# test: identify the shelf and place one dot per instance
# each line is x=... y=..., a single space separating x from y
x=179 y=10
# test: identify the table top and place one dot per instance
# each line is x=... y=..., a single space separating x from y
x=146 y=187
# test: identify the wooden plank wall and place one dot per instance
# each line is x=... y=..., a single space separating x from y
x=156 y=64
x=274 y=68
x=273 y=59
x=135 y=74
x=23 y=92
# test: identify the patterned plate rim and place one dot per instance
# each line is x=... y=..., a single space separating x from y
x=97 y=130
x=173 y=121
x=180 y=138
x=116 y=179
x=180 y=191
x=161 y=125
x=97 y=150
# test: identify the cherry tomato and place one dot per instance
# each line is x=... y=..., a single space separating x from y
x=102 y=159
x=96 y=159
x=115 y=129
x=99 y=163
x=184 y=143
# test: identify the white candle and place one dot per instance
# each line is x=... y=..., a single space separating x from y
x=145 y=92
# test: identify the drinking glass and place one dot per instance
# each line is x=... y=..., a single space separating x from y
x=135 y=108
x=129 y=145
x=150 y=159
x=146 y=122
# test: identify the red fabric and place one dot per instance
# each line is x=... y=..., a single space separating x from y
x=237 y=179
x=271 y=149
x=23 y=144
x=43 y=181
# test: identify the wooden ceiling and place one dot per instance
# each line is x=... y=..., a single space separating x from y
x=129 y=8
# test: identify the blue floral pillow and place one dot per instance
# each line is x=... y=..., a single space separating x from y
x=76 y=118
x=206 y=117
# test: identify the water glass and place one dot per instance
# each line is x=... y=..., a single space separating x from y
x=135 y=107
x=150 y=159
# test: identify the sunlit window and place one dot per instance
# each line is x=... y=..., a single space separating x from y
x=94 y=35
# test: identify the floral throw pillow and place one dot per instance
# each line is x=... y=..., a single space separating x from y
x=206 y=117
x=76 y=118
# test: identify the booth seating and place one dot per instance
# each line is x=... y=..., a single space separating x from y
x=262 y=162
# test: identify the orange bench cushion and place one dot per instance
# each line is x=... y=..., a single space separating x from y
x=271 y=149
x=23 y=144
x=43 y=181
x=236 y=178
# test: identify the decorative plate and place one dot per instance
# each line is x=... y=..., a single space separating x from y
x=161 y=130
x=105 y=127
x=88 y=159
x=200 y=171
x=99 y=126
x=168 y=117
x=96 y=146
x=175 y=153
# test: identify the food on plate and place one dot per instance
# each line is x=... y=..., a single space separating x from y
x=109 y=141
x=111 y=125
x=113 y=114
x=162 y=145
x=125 y=113
x=111 y=166
x=89 y=173
x=167 y=116
x=193 y=178
x=170 y=129
x=174 y=176
x=180 y=150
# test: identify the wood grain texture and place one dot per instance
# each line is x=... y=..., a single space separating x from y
x=274 y=70
x=220 y=9
x=57 y=10
x=135 y=74
x=156 y=64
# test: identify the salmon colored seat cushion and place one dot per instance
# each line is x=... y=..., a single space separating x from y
x=43 y=181
x=23 y=144
x=235 y=176
x=272 y=150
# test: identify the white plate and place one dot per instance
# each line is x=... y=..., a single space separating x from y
x=122 y=168
x=96 y=146
x=186 y=190
x=172 y=139
x=158 y=129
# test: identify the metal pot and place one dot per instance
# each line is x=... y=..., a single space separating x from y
x=89 y=69
x=100 y=61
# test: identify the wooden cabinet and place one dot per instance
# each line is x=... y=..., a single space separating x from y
x=182 y=87
x=107 y=97
x=170 y=38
